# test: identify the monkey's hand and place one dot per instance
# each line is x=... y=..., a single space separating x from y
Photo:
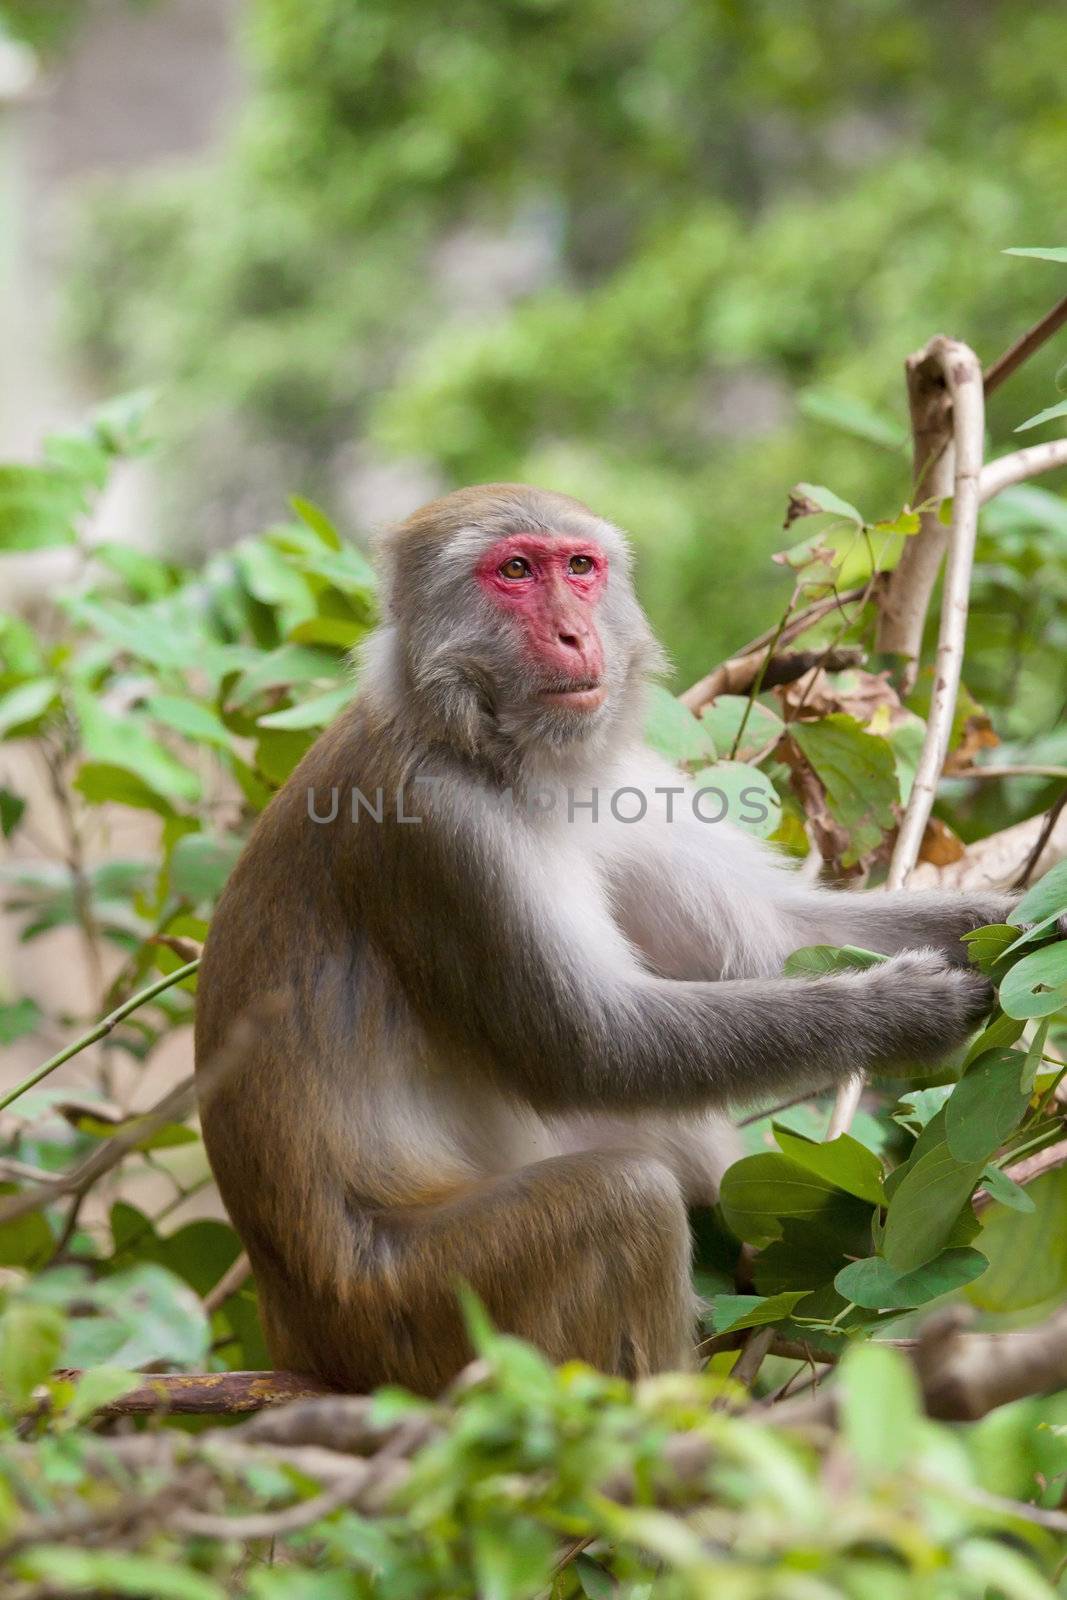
x=925 y=1006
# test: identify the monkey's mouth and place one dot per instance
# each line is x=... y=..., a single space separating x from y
x=586 y=696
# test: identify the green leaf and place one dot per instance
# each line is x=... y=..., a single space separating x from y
x=511 y=1557
x=31 y=1342
x=819 y=960
x=114 y=1572
x=102 y=784
x=12 y=810
x=877 y=1286
x=200 y=864
x=314 y=713
x=673 y=730
x=760 y=1192
x=996 y=1035
x=852 y=415
x=731 y=1312
x=124 y=741
x=926 y=1203
x=818 y=498
x=317 y=520
x=141 y=1315
x=1027 y=1251
x=996 y=1569
x=986 y=946
x=986 y=1106
x=1048 y=415
x=1044 y=901
x=282 y=668
x=99 y=1387
x=17 y=1019
x=732 y=791
x=842 y=1161
x=340 y=631
x=1037 y=985
x=1048 y=252
x=1005 y=1191
x=879 y=1407
x=189 y=717
x=723 y=719
x=859 y=774
x=21 y=707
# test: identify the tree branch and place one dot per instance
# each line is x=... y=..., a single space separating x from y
x=1020 y=465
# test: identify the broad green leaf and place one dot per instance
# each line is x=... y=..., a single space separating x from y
x=818 y=498
x=114 y=1572
x=877 y=1286
x=1005 y=1191
x=1046 y=252
x=842 y=1161
x=731 y=1312
x=134 y=629
x=1027 y=1251
x=31 y=1342
x=125 y=741
x=99 y=1387
x=1048 y=415
x=732 y=791
x=996 y=1035
x=17 y=1019
x=986 y=946
x=189 y=717
x=141 y=1315
x=25 y=1241
x=317 y=712
x=316 y=519
x=986 y=1106
x=922 y=1105
x=859 y=775
x=854 y=416
x=723 y=719
x=340 y=631
x=200 y=863
x=879 y=1407
x=1035 y=1051
x=673 y=730
x=819 y=960
x=510 y=1557
x=925 y=1205
x=272 y=581
x=102 y=783
x=759 y=1192
x=12 y=810
x=22 y=706
x=280 y=669
x=1045 y=901
x=278 y=750
x=1037 y=985
x=148 y=576
x=996 y=1569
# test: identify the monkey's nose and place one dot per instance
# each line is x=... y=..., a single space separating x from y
x=570 y=641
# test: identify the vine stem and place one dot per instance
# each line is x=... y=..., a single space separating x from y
x=100 y=1031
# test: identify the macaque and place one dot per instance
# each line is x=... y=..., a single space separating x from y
x=514 y=1005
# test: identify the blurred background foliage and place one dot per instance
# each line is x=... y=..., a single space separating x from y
x=626 y=250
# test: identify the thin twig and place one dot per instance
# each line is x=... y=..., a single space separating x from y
x=1033 y=1167
x=236 y=1274
x=100 y=1031
x=1021 y=465
x=1048 y=828
x=1000 y=370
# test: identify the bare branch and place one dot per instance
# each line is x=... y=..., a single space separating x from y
x=995 y=862
x=737 y=675
x=1001 y=369
x=963 y=382
x=1020 y=465
x=237 y=1274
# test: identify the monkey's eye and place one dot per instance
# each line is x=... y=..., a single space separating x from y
x=515 y=569
x=580 y=566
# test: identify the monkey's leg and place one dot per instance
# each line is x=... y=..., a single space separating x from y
x=587 y=1256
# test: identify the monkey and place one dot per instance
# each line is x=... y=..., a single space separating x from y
x=511 y=1033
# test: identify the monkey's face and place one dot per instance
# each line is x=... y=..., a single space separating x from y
x=546 y=594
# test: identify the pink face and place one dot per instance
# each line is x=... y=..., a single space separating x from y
x=551 y=588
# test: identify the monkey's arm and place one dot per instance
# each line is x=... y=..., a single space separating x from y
x=516 y=960
x=898 y=921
